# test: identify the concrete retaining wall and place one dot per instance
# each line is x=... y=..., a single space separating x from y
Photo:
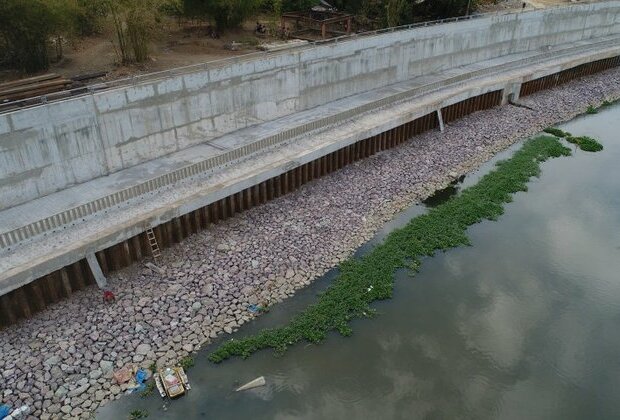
x=50 y=147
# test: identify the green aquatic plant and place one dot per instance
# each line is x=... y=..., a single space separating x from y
x=369 y=278
x=585 y=143
x=148 y=390
x=187 y=362
x=607 y=103
x=138 y=414
x=557 y=132
x=592 y=110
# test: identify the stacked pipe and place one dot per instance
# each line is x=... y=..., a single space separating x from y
x=33 y=86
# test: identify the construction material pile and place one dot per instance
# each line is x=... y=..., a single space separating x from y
x=33 y=86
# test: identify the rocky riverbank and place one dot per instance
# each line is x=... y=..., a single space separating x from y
x=61 y=361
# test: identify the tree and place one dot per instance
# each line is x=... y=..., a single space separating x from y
x=394 y=11
x=441 y=9
x=91 y=15
x=63 y=17
x=135 y=22
x=298 y=5
x=25 y=27
x=227 y=14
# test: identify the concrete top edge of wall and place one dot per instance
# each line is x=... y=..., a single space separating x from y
x=140 y=86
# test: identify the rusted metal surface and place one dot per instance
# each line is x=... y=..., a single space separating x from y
x=562 y=77
x=468 y=106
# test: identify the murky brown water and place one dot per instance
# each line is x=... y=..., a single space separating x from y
x=524 y=324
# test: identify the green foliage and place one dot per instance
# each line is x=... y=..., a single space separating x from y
x=90 y=16
x=28 y=26
x=138 y=414
x=557 y=132
x=591 y=110
x=186 y=363
x=605 y=104
x=148 y=390
x=172 y=8
x=134 y=22
x=441 y=9
x=364 y=280
x=64 y=17
x=139 y=28
x=585 y=143
x=227 y=14
x=394 y=10
x=25 y=26
x=294 y=5
x=384 y=13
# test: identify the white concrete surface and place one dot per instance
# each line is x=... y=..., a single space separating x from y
x=51 y=147
x=30 y=260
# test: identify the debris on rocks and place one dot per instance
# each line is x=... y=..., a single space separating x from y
x=108 y=296
x=155 y=269
x=123 y=375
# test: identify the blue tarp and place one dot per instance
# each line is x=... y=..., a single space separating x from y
x=4 y=411
x=141 y=377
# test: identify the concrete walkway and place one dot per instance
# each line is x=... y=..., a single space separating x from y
x=312 y=133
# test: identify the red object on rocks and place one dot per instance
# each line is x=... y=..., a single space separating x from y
x=108 y=296
x=123 y=375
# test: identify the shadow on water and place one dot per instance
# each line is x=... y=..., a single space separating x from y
x=523 y=324
x=443 y=195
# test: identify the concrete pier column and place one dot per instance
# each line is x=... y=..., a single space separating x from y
x=511 y=93
x=440 y=118
x=96 y=270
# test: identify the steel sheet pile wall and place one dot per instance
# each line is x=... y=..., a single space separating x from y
x=466 y=107
x=25 y=301
x=562 y=77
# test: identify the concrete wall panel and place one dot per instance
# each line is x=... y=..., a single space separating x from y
x=50 y=147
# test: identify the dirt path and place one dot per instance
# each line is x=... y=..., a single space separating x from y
x=175 y=46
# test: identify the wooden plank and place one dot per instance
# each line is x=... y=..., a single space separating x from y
x=28 y=81
x=34 y=93
x=23 y=92
x=34 y=87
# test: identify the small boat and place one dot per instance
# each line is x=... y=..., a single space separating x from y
x=172 y=382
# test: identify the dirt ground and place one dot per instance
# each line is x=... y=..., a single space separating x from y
x=174 y=46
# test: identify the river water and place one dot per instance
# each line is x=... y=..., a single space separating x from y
x=523 y=324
